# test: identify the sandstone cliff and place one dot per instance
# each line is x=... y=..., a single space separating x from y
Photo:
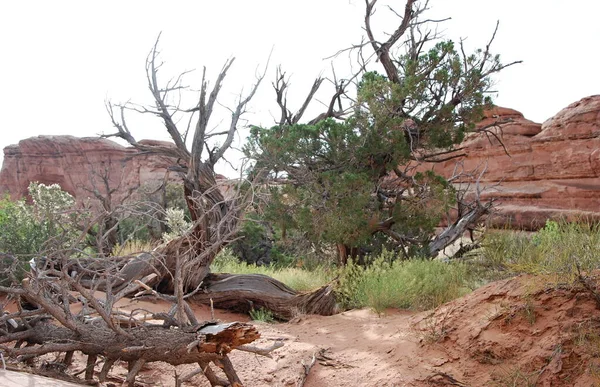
x=548 y=170
x=78 y=165
x=551 y=170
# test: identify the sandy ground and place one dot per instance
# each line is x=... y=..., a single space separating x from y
x=510 y=333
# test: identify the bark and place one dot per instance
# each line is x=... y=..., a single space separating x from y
x=203 y=343
x=458 y=228
x=243 y=293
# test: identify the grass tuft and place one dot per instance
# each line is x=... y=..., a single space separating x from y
x=555 y=252
x=298 y=279
x=415 y=284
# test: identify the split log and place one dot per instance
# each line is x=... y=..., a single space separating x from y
x=200 y=344
x=244 y=292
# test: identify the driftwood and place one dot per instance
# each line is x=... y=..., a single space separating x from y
x=245 y=292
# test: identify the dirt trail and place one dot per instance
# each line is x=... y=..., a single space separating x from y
x=510 y=333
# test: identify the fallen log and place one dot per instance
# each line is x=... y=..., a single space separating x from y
x=237 y=292
x=200 y=344
x=245 y=292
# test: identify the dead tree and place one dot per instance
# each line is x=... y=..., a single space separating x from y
x=215 y=206
x=213 y=214
x=72 y=318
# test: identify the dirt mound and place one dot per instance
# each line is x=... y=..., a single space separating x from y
x=515 y=332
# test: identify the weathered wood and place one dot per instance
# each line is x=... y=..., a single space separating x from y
x=68 y=358
x=232 y=376
x=133 y=371
x=106 y=369
x=244 y=292
x=151 y=343
x=89 y=368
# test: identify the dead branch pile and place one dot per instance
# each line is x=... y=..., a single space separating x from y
x=103 y=333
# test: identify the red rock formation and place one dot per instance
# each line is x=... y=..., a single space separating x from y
x=77 y=164
x=551 y=170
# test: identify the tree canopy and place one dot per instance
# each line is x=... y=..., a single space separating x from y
x=353 y=173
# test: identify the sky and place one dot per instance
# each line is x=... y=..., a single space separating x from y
x=62 y=59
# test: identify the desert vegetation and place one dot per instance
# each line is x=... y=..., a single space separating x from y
x=331 y=213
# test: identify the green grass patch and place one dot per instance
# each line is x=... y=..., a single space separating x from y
x=555 y=252
x=414 y=284
x=298 y=279
x=262 y=314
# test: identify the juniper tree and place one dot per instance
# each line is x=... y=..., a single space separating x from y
x=350 y=175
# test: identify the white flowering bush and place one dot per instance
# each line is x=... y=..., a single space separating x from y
x=176 y=222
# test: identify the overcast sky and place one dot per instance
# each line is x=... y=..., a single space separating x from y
x=61 y=59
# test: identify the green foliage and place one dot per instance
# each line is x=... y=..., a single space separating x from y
x=254 y=244
x=262 y=314
x=342 y=189
x=48 y=224
x=135 y=227
x=50 y=221
x=553 y=252
x=334 y=199
x=414 y=284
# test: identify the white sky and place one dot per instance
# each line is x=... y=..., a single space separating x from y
x=61 y=59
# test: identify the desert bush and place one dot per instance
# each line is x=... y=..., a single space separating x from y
x=556 y=252
x=414 y=284
x=176 y=224
x=50 y=220
x=48 y=224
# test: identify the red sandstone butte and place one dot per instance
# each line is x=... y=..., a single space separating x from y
x=551 y=171
x=77 y=164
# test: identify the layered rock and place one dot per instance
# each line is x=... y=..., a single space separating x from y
x=79 y=165
x=539 y=172
x=546 y=171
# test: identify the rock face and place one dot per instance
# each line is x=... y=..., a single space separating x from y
x=544 y=171
x=547 y=171
x=79 y=165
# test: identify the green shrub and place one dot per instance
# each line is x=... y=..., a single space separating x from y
x=47 y=225
x=555 y=252
x=413 y=284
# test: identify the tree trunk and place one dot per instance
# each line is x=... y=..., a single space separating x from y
x=203 y=343
x=244 y=293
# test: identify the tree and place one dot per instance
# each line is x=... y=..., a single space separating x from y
x=214 y=216
x=353 y=173
x=184 y=262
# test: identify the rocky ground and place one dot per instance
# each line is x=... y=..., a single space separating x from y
x=515 y=332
